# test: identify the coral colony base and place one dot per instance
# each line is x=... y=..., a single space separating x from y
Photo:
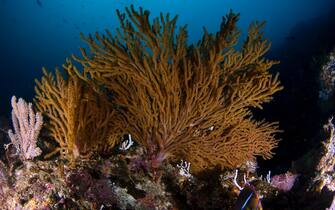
x=149 y=119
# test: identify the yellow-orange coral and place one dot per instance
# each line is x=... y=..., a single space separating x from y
x=187 y=101
x=80 y=119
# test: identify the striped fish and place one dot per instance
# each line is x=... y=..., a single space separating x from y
x=248 y=199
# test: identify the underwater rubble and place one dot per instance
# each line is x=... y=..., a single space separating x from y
x=154 y=123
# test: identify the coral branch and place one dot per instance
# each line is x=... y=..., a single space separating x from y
x=27 y=126
x=183 y=101
x=80 y=118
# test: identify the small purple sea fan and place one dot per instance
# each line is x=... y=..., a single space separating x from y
x=284 y=182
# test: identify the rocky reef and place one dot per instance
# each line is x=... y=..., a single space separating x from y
x=147 y=121
x=125 y=181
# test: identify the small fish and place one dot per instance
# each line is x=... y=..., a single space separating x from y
x=39 y=3
x=248 y=199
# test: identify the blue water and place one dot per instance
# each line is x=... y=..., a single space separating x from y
x=37 y=33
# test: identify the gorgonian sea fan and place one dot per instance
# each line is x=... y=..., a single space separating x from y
x=184 y=101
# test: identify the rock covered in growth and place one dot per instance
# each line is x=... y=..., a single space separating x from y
x=56 y=185
x=325 y=169
x=327 y=78
x=284 y=181
x=124 y=181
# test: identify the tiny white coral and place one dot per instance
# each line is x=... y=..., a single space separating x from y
x=268 y=177
x=235 y=180
x=184 y=169
x=27 y=126
x=126 y=144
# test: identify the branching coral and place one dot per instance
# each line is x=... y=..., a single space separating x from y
x=187 y=101
x=27 y=126
x=80 y=118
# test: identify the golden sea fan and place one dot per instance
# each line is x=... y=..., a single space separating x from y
x=187 y=101
x=79 y=118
